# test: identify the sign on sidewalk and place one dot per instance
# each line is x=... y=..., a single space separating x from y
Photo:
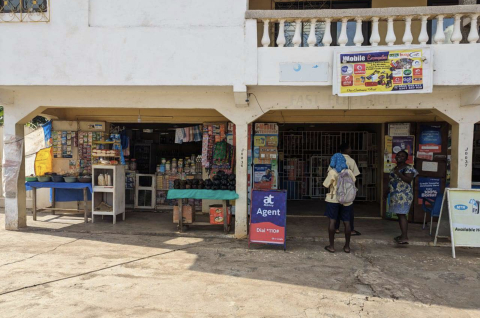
x=268 y=218
x=463 y=217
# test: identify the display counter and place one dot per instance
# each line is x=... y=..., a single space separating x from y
x=222 y=195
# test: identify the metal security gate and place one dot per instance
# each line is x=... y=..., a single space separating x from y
x=304 y=157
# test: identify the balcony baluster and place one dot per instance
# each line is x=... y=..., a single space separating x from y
x=343 y=38
x=281 y=34
x=407 y=36
x=473 y=35
x=297 y=38
x=327 y=37
x=439 y=37
x=312 y=37
x=375 y=37
x=457 y=33
x=266 y=36
x=423 y=36
x=358 y=39
x=390 y=38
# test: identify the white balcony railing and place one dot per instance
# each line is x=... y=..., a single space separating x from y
x=465 y=18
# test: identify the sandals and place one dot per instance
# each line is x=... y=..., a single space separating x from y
x=399 y=241
x=327 y=248
x=355 y=233
x=346 y=249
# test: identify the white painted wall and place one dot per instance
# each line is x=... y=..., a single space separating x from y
x=450 y=63
x=124 y=42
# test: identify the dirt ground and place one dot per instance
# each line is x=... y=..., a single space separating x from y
x=57 y=273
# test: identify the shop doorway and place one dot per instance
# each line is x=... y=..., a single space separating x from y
x=153 y=161
x=304 y=153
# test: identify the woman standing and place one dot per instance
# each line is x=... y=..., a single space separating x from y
x=401 y=193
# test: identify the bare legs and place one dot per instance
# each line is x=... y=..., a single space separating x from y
x=403 y=222
x=331 y=236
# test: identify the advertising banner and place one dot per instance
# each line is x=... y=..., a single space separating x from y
x=428 y=188
x=392 y=146
x=430 y=140
x=463 y=217
x=268 y=218
x=386 y=71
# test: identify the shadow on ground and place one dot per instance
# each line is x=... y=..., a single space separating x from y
x=418 y=274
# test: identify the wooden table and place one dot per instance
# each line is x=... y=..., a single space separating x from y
x=222 y=195
x=56 y=185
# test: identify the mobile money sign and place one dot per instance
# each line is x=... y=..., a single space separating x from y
x=268 y=217
x=399 y=71
x=463 y=217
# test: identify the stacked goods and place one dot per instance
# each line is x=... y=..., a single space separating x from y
x=265 y=156
x=220 y=181
x=85 y=145
x=105 y=153
x=63 y=143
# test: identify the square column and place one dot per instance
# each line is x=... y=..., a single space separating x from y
x=14 y=172
x=241 y=205
x=462 y=154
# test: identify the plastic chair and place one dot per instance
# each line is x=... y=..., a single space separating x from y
x=433 y=209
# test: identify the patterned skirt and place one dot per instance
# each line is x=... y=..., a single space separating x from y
x=400 y=202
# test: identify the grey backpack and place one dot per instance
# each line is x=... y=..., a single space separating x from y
x=346 y=190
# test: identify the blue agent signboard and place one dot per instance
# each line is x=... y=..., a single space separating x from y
x=268 y=217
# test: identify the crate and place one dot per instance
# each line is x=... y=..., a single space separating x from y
x=216 y=214
x=188 y=214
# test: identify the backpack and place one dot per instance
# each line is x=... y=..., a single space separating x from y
x=346 y=190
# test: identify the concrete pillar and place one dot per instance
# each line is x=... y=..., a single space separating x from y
x=461 y=163
x=241 y=205
x=14 y=171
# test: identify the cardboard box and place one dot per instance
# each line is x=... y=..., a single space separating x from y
x=216 y=214
x=188 y=214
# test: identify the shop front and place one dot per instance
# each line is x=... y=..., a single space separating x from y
x=154 y=165
x=294 y=155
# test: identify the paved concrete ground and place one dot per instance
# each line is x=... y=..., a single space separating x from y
x=304 y=228
x=45 y=273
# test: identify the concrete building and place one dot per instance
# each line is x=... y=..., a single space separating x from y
x=198 y=61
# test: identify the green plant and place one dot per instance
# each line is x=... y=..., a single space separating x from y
x=35 y=123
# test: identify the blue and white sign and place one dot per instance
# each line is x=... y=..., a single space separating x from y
x=304 y=72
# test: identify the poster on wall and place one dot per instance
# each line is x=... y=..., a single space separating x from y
x=428 y=188
x=268 y=218
x=399 y=129
x=395 y=144
x=400 y=71
x=430 y=141
x=263 y=176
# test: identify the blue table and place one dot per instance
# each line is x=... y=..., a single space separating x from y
x=86 y=187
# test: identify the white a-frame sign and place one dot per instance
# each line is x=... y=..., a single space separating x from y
x=463 y=217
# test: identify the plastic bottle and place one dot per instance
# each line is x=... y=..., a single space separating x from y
x=168 y=166
x=101 y=180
